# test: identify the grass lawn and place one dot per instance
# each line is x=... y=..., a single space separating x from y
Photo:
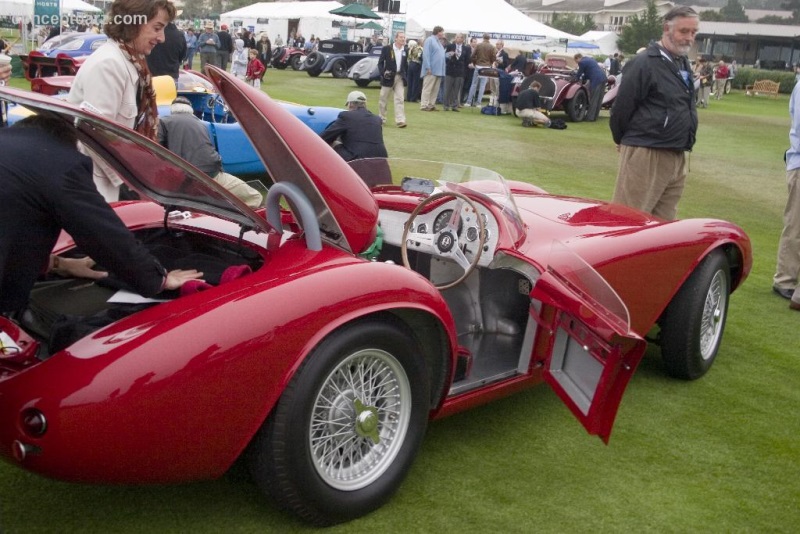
x=721 y=454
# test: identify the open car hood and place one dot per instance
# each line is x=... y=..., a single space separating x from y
x=345 y=208
x=150 y=169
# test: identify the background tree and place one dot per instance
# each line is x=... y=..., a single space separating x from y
x=711 y=15
x=794 y=7
x=733 y=12
x=573 y=23
x=641 y=30
x=775 y=19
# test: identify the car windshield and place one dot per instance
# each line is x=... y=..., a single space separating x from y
x=429 y=177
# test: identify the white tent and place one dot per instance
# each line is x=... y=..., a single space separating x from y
x=24 y=8
x=280 y=17
x=607 y=41
x=495 y=17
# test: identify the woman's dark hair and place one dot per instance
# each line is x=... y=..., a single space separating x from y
x=126 y=17
x=57 y=128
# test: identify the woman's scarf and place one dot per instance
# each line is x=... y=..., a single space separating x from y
x=147 y=117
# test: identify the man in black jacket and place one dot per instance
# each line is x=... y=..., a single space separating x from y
x=356 y=133
x=47 y=187
x=225 y=47
x=529 y=105
x=167 y=57
x=456 y=59
x=393 y=67
x=654 y=120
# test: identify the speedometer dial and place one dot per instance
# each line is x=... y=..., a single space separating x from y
x=441 y=220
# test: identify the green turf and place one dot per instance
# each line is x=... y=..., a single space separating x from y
x=718 y=455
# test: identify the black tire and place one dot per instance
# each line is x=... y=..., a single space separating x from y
x=295 y=61
x=526 y=82
x=348 y=473
x=339 y=69
x=314 y=73
x=362 y=83
x=578 y=106
x=693 y=323
x=314 y=60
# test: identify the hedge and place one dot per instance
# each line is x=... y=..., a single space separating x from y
x=748 y=76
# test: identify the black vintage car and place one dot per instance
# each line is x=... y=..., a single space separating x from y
x=334 y=56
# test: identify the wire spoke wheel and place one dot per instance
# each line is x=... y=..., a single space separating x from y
x=359 y=419
x=713 y=316
x=348 y=425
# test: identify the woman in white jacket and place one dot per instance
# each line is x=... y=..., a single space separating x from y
x=115 y=81
x=239 y=60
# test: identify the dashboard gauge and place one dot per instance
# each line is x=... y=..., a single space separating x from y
x=441 y=220
x=422 y=228
x=472 y=233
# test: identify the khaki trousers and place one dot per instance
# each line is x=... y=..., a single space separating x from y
x=430 y=90
x=788 y=267
x=398 y=89
x=240 y=189
x=651 y=179
x=533 y=114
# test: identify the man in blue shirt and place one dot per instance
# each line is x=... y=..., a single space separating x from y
x=433 y=69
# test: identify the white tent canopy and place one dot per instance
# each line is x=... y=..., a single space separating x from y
x=495 y=17
x=278 y=18
x=24 y=8
x=284 y=10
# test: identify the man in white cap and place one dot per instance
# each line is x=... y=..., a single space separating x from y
x=356 y=133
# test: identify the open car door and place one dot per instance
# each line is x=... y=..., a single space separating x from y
x=585 y=343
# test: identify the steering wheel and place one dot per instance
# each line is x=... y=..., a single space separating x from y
x=446 y=243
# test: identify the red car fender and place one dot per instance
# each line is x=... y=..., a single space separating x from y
x=195 y=378
x=572 y=90
x=671 y=257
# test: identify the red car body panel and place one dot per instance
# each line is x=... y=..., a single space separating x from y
x=154 y=402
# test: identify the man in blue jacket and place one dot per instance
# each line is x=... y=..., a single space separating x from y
x=654 y=120
x=590 y=70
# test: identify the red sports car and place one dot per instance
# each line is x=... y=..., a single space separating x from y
x=339 y=320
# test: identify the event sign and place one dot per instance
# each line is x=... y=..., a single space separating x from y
x=47 y=12
x=508 y=36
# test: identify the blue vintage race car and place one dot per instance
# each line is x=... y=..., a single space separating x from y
x=238 y=155
x=73 y=44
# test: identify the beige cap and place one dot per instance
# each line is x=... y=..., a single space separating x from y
x=355 y=96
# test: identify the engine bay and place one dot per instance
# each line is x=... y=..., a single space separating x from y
x=63 y=310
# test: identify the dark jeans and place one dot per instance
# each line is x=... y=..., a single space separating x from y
x=414 y=89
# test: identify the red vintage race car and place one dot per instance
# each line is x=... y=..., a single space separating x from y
x=288 y=56
x=355 y=316
x=560 y=90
